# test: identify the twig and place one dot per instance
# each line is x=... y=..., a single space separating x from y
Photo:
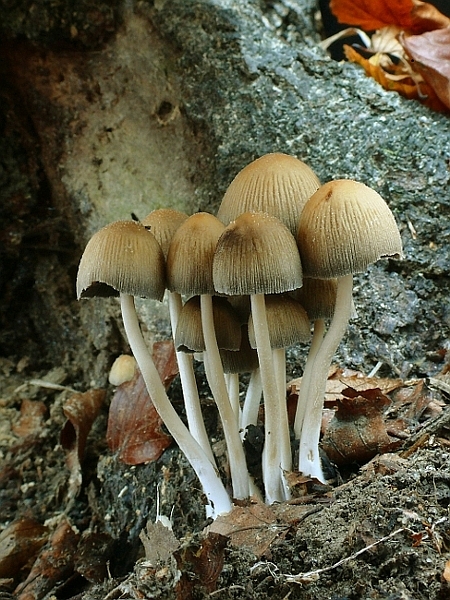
x=311 y=576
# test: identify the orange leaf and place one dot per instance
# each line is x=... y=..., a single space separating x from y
x=405 y=86
x=373 y=14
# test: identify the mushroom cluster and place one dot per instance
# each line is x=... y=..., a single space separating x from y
x=277 y=261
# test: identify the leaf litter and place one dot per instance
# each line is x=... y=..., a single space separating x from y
x=388 y=514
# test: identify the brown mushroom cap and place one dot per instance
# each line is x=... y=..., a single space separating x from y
x=344 y=227
x=287 y=321
x=276 y=183
x=318 y=297
x=190 y=256
x=163 y=223
x=189 y=333
x=123 y=257
x=244 y=360
x=256 y=254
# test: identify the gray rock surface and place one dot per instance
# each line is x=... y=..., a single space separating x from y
x=166 y=111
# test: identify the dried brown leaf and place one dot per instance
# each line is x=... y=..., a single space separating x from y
x=431 y=54
x=446 y=573
x=159 y=543
x=81 y=411
x=358 y=432
x=397 y=80
x=20 y=543
x=134 y=426
x=94 y=552
x=200 y=565
x=54 y=563
x=426 y=17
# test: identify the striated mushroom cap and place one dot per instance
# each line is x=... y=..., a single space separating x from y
x=163 y=222
x=318 y=297
x=276 y=183
x=256 y=254
x=189 y=332
x=123 y=257
x=287 y=321
x=344 y=227
x=190 y=256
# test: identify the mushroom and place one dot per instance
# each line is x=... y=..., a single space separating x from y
x=344 y=227
x=318 y=297
x=189 y=272
x=244 y=360
x=189 y=335
x=257 y=255
x=288 y=325
x=163 y=223
x=276 y=183
x=124 y=259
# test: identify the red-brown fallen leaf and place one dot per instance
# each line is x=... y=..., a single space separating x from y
x=81 y=411
x=357 y=432
x=373 y=14
x=134 y=426
x=165 y=361
x=431 y=54
x=426 y=79
x=20 y=543
x=200 y=565
x=54 y=563
x=251 y=527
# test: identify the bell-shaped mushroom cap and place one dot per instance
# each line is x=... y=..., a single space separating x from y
x=244 y=360
x=256 y=254
x=344 y=227
x=123 y=257
x=287 y=321
x=163 y=223
x=318 y=297
x=189 y=333
x=190 y=256
x=277 y=184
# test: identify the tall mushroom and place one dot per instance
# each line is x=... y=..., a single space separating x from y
x=344 y=227
x=163 y=223
x=318 y=297
x=124 y=259
x=189 y=272
x=257 y=255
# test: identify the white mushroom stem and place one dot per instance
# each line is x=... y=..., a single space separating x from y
x=309 y=459
x=216 y=380
x=189 y=384
x=279 y=362
x=212 y=485
x=275 y=487
x=252 y=401
x=232 y=383
x=317 y=337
